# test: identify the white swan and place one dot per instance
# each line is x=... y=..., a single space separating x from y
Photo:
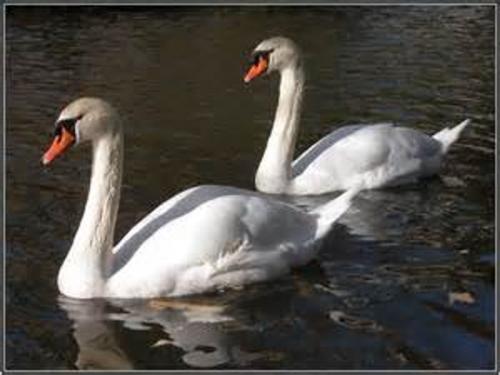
x=370 y=156
x=204 y=238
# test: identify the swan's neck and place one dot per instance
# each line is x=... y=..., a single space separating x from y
x=274 y=172
x=85 y=268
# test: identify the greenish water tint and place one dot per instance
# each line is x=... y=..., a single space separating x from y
x=405 y=281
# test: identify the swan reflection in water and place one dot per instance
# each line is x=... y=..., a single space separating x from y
x=388 y=214
x=194 y=326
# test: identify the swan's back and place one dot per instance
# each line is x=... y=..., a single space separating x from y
x=373 y=155
x=208 y=231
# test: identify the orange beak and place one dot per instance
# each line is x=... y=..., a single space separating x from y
x=60 y=144
x=256 y=70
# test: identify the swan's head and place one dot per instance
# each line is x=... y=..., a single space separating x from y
x=273 y=54
x=85 y=119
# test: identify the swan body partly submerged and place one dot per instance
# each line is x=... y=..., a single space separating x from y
x=368 y=156
x=202 y=239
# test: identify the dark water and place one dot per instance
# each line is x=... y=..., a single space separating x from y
x=405 y=281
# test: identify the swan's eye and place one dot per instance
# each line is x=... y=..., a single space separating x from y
x=257 y=56
x=68 y=124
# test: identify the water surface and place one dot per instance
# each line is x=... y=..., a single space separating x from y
x=405 y=281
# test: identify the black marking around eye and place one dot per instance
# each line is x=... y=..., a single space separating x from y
x=68 y=124
x=258 y=54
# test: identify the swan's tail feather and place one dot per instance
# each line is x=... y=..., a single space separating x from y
x=448 y=136
x=329 y=213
